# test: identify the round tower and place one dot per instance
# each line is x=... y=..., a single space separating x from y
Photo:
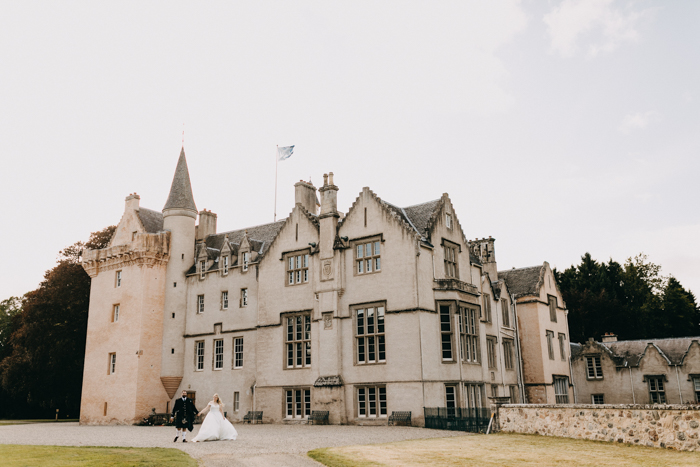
x=179 y=216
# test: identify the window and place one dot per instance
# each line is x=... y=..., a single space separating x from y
x=487 y=307
x=696 y=387
x=369 y=335
x=550 y=344
x=508 y=354
x=298 y=403
x=657 y=394
x=513 y=392
x=494 y=390
x=133 y=236
x=594 y=370
x=115 y=313
x=450 y=251
x=246 y=260
x=505 y=311
x=472 y=393
x=446 y=333
x=469 y=334
x=491 y=343
x=112 y=363
x=225 y=265
x=450 y=400
x=202 y=269
x=118 y=279
x=562 y=346
x=297 y=269
x=448 y=221
x=224 y=300
x=200 y=303
x=218 y=354
x=238 y=352
x=597 y=399
x=236 y=401
x=561 y=389
x=298 y=341
x=244 y=297
x=367 y=257
x=552 y=308
x=199 y=355
x=371 y=401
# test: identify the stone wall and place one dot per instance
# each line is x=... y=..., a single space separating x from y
x=664 y=426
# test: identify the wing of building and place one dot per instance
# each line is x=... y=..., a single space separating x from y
x=360 y=314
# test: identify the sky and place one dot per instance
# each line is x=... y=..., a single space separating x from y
x=557 y=127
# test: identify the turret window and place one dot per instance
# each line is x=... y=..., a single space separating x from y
x=118 y=279
x=115 y=313
x=112 y=363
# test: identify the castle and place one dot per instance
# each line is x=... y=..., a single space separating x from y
x=362 y=313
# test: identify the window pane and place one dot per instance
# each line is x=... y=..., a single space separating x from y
x=360 y=251
x=298 y=323
x=380 y=319
x=361 y=350
x=382 y=401
x=299 y=354
x=370 y=320
x=308 y=353
x=372 y=399
x=376 y=248
x=382 y=352
x=360 y=322
x=361 y=402
x=368 y=249
x=369 y=265
x=370 y=349
x=306 y=261
x=360 y=267
x=377 y=264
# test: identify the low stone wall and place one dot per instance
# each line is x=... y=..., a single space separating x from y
x=664 y=426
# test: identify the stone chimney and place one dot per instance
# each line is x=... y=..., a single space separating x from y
x=485 y=250
x=609 y=337
x=207 y=225
x=305 y=194
x=329 y=215
x=132 y=202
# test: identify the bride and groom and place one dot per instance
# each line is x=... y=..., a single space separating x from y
x=214 y=427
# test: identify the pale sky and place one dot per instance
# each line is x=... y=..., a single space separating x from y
x=556 y=127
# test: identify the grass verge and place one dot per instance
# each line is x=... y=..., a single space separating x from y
x=503 y=450
x=19 y=455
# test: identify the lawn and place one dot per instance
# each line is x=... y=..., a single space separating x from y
x=27 y=422
x=503 y=450
x=15 y=455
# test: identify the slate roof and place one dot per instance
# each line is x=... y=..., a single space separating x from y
x=152 y=220
x=630 y=353
x=259 y=236
x=180 y=196
x=523 y=281
x=417 y=216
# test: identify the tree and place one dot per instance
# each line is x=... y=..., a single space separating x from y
x=44 y=365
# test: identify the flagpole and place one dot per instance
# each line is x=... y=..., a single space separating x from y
x=277 y=158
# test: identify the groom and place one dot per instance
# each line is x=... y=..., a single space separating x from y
x=184 y=412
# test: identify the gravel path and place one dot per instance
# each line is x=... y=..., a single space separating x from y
x=257 y=445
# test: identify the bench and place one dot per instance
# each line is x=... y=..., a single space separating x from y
x=400 y=418
x=253 y=417
x=319 y=417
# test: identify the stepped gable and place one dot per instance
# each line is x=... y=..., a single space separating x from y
x=180 y=196
x=523 y=281
x=151 y=220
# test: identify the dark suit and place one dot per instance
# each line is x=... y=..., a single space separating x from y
x=184 y=413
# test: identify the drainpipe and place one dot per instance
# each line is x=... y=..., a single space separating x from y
x=571 y=371
x=634 y=399
x=521 y=383
x=254 y=384
x=679 y=385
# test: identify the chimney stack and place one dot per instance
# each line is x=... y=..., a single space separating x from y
x=305 y=194
x=609 y=337
x=329 y=216
x=329 y=196
x=132 y=202
x=207 y=225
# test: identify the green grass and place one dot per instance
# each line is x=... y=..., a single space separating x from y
x=16 y=455
x=27 y=422
x=515 y=450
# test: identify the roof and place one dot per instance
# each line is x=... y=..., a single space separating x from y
x=260 y=237
x=180 y=196
x=523 y=281
x=630 y=353
x=420 y=214
x=152 y=220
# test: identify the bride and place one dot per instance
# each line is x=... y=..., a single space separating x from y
x=215 y=425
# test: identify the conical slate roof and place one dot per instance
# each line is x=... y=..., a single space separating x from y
x=180 y=196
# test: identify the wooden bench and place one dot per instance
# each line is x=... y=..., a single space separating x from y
x=400 y=418
x=253 y=417
x=319 y=417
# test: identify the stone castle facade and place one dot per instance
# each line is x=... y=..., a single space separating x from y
x=362 y=313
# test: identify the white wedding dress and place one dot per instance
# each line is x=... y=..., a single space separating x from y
x=215 y=426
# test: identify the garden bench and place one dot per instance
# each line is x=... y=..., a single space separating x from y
x=400 y=418
x=253 y=417
x=319 y=416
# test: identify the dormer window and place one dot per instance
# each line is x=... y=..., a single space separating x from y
x=448 y=221
x=246 y=260
x=202 y=269
x=133 y=236
x=225 y=265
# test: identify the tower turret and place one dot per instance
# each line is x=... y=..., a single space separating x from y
x=179 y=215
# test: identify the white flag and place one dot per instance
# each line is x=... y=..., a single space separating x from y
x=284 y=153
